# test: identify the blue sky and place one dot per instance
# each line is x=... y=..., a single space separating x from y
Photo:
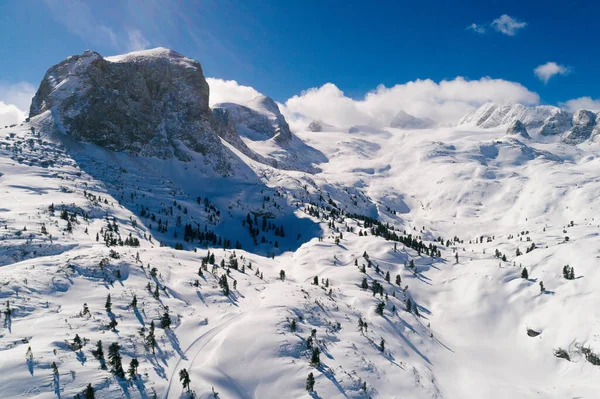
x=281 y=48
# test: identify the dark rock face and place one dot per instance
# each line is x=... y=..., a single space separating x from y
x=518 y=128
x=556 y=124
x=261 y=118
x=149 y=103
x=315 y=127
x=583 y=125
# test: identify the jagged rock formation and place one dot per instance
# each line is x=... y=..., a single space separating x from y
x=150 y=103
x=517 y=128
x=315 y=126
x=403 y=120
x=259 y=119
x=556 y=124
x=583 y=125
x=493 y=115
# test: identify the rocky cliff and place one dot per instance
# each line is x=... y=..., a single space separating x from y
x=149 y=103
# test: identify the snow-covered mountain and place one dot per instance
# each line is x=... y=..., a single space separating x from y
x=403 y=120
x=456 y=263
x=573 y=128
x=492 y=115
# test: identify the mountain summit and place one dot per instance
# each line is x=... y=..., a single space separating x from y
x=149 y=103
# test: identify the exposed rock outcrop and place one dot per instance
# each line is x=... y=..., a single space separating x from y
x=584 y=122
x=259 y=119
x=556 y=124
x=403 y=120
x=149 y=103
x=517 y=128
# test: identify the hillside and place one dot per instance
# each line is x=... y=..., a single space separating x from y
x=391 y=265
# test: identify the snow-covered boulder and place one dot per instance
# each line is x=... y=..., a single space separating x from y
x=517 y=128
x=583 y=125
x=151 y=103
x=404 y=120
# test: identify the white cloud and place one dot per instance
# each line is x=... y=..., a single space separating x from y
x=476 y=28
x=15 y=100
x=223 y=91
x=508 y=25
x=136 y=40
x=582 y=103
x=546 y=71
x=444 y=102
x=10 y=114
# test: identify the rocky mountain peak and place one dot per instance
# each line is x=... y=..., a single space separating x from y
x=150 y=103
x=517 y=128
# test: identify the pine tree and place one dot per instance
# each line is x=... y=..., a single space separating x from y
x=54 y=369
x=408 y=305
x=89 y=392
x=108 y=304
x=184 y=377
x=115 y=360
x=86 y=310
x=316 y=280
x=542 y=288
x=525 y=274
x=282 y=275
x=315 y=359
x=310 y=382
x=364 y=285
x=398 y=279
x=134 y=302
x=293 y=326
x=387 y=276
x=379 y=309
x=150 y=338
x=382 y=345
x=165 y=320
x=98 y=352
x=133 y=367
x=77 y=345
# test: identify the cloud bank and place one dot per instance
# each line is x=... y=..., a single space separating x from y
x=582 y=103
x=444 y=102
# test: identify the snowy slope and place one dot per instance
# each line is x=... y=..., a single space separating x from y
x=79 y=222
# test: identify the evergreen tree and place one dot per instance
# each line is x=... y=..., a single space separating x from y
x=364 y=285
x=282 y=275
x=398 y=279
x=99 y=352
x=150 y=338
x=310 y=382
x=525 y=274
x=379 y=309
x=408 y=305
x=315 y=359
x=382 y=345
x=134 y=302
x=108 y=304
x=293 y=325
x=54 y=369
x=184 y=377
x=165 y=320
x=316 y=280
x=88 y=393
x=115 y=360
x=77 y=344
x=542 y=288
x=133 y=367
x=387 y=276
